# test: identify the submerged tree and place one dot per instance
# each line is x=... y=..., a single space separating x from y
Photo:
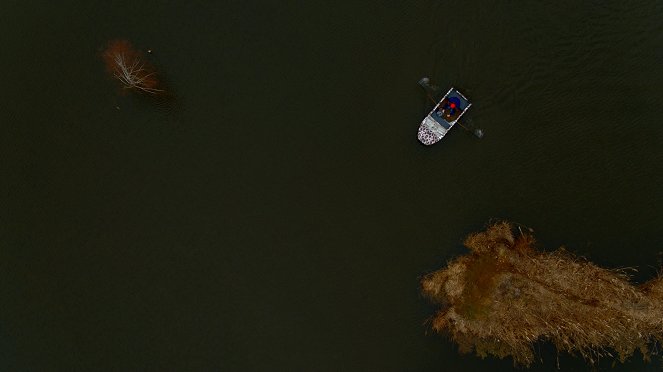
x=504 y=296
x=130 y=67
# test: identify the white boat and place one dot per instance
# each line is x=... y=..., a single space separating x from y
x=443 y=117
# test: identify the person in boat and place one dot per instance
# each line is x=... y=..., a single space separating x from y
x=449 y=109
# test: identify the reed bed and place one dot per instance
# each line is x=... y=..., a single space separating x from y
x=504 y=296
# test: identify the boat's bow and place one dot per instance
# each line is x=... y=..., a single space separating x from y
x=430 y=131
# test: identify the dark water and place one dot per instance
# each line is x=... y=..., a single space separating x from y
x=276 y=215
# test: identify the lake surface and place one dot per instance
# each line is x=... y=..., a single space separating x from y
x=277 y=213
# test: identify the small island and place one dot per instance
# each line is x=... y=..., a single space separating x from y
x=505 y=295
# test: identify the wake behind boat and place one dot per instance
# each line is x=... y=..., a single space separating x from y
x=444 y=115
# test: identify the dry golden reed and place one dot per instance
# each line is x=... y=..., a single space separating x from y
x=130 y=68
x=504 y=296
